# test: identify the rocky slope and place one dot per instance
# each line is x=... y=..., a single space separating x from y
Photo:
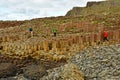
x=93 y=63
x=107 y=7
x=99 y=63
x=76 y=11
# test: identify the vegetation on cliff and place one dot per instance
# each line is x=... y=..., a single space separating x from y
x=106 y=12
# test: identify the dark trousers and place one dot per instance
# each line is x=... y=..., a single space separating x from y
x=54 y=34
x=105 y=39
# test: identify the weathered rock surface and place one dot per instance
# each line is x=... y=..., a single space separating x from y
x=66 y=72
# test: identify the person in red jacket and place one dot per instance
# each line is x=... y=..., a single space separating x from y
x=105 y=36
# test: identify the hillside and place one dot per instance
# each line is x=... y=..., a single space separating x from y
x=105 y=12
x=97 y=8
x=33 y=57
x=7 y=24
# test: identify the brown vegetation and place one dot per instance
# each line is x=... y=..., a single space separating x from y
x=7 y=24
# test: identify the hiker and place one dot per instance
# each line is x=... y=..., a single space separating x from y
x=54 y=31
x=31 y=31
x=105 y=36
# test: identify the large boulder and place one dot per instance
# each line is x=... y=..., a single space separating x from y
x=34 y=72
x=7 y=69
x=71 y=72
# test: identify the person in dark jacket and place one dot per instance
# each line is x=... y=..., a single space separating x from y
x=31 y=31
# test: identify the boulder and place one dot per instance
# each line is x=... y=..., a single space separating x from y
x=7 y=69
x=34 y=72
x=71 y=72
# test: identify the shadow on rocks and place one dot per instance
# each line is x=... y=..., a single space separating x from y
x=7 y=69
x=9 y=78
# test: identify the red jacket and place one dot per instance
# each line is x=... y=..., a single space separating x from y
x=105 y=34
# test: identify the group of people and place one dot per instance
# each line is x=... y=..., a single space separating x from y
x=31 y=31
x=105 y=34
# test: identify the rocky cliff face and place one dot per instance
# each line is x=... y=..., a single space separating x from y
x=96 y=8
x=89 y=4
x=77 y=10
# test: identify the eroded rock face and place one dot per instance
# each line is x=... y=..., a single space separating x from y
x=89 y=4
x=7 y=69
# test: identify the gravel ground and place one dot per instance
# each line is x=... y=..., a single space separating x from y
x=99 y=63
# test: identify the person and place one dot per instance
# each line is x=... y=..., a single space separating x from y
x=31 y=31
x=105 y=36
x=54 y=31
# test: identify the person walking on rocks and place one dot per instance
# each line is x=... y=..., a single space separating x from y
x=54 y=32
x=105 y=36
x=31 y=31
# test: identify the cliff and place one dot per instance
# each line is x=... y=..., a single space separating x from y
x=96 y=8
x=75 y=11
x=89 y=4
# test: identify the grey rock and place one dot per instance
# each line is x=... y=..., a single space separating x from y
x=34 y=72
x=99 y=63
